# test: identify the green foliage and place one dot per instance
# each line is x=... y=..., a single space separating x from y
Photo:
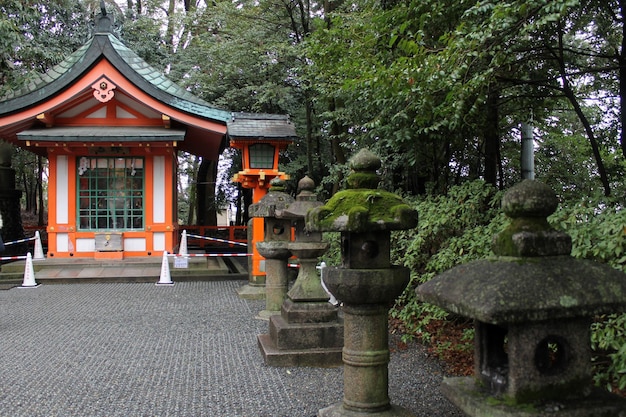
x=415 y=80
x=36 y=35
x=608 y=341
x=333 y=254
x=598 y=230
x=452 y=229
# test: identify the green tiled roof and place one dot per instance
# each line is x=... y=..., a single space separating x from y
x=37 y=81
x=106 y=44
x=184 y=101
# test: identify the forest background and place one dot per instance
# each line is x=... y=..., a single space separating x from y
x=438 y=89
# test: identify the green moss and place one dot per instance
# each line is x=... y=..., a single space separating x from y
x=362 y=210
x=511 y=403
x=358 y=180
x=503 y=243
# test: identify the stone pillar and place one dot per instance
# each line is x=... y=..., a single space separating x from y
x=366 y=283
x=274 y=247
x=532 y=305
x=308 y=331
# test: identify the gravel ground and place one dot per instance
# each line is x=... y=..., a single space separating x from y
x=187 y=351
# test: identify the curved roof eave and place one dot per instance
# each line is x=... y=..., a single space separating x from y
x=130 y=65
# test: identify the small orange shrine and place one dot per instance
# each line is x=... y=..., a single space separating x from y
x=111 y=126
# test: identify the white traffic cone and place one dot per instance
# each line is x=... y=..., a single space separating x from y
x=182 y=250
x=38 y=248
x=29 y=274
x=166 y=278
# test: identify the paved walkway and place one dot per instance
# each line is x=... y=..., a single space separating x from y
x=135 y=349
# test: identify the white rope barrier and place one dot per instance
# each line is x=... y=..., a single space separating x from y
x=14 y=242
x=209 y=254
x=12 y=258
x=218 y=240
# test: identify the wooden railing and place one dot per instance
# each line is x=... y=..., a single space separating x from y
x=229 y=233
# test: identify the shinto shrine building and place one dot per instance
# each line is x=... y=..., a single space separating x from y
x=111 y=126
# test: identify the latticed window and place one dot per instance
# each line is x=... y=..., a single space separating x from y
x=261 y=156
x=110 y=193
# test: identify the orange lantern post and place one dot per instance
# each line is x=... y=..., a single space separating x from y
x=260 y=138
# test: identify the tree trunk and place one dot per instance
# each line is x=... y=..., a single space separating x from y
x=207 y=211
x=239 y=205
x=622 y=81
x=169 y=31
x=193 y=188
x=569 y=94
x=310 y=152
x=247 y=201
x=492 y=140
x=40 y=190
x=27 y=199
x=335 y=140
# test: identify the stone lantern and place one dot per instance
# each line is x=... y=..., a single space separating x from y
x=308 y=331
x=532 y=304
x=366 y=283
x=275 y=246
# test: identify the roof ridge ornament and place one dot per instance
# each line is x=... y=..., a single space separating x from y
x=103 y=90
x=104 y=22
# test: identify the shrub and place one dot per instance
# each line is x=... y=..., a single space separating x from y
x=598 y=230
x=452 y=229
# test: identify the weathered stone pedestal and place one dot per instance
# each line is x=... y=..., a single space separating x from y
x=532 y=304
x=275 y=246
x=366 y=283
x=277 y=276
x=308 y=331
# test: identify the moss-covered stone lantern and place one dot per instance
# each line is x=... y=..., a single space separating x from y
x=308 y=331
x=532 y=304
x=366 y=283
x=274 y=248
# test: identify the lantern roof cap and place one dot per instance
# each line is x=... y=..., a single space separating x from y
x=273 y=202
x=362 y=207
x=305 y=200
x=260 y=126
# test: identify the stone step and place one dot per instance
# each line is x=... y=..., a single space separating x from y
x=297 y=336
x=58 y=270
x=319 y=357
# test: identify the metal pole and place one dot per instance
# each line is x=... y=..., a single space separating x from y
x=528 y=157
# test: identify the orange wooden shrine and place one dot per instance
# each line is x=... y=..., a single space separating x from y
x=111 y=126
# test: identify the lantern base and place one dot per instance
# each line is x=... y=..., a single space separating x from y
x=467 y=395
x=338 y=410
x=251 y=292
